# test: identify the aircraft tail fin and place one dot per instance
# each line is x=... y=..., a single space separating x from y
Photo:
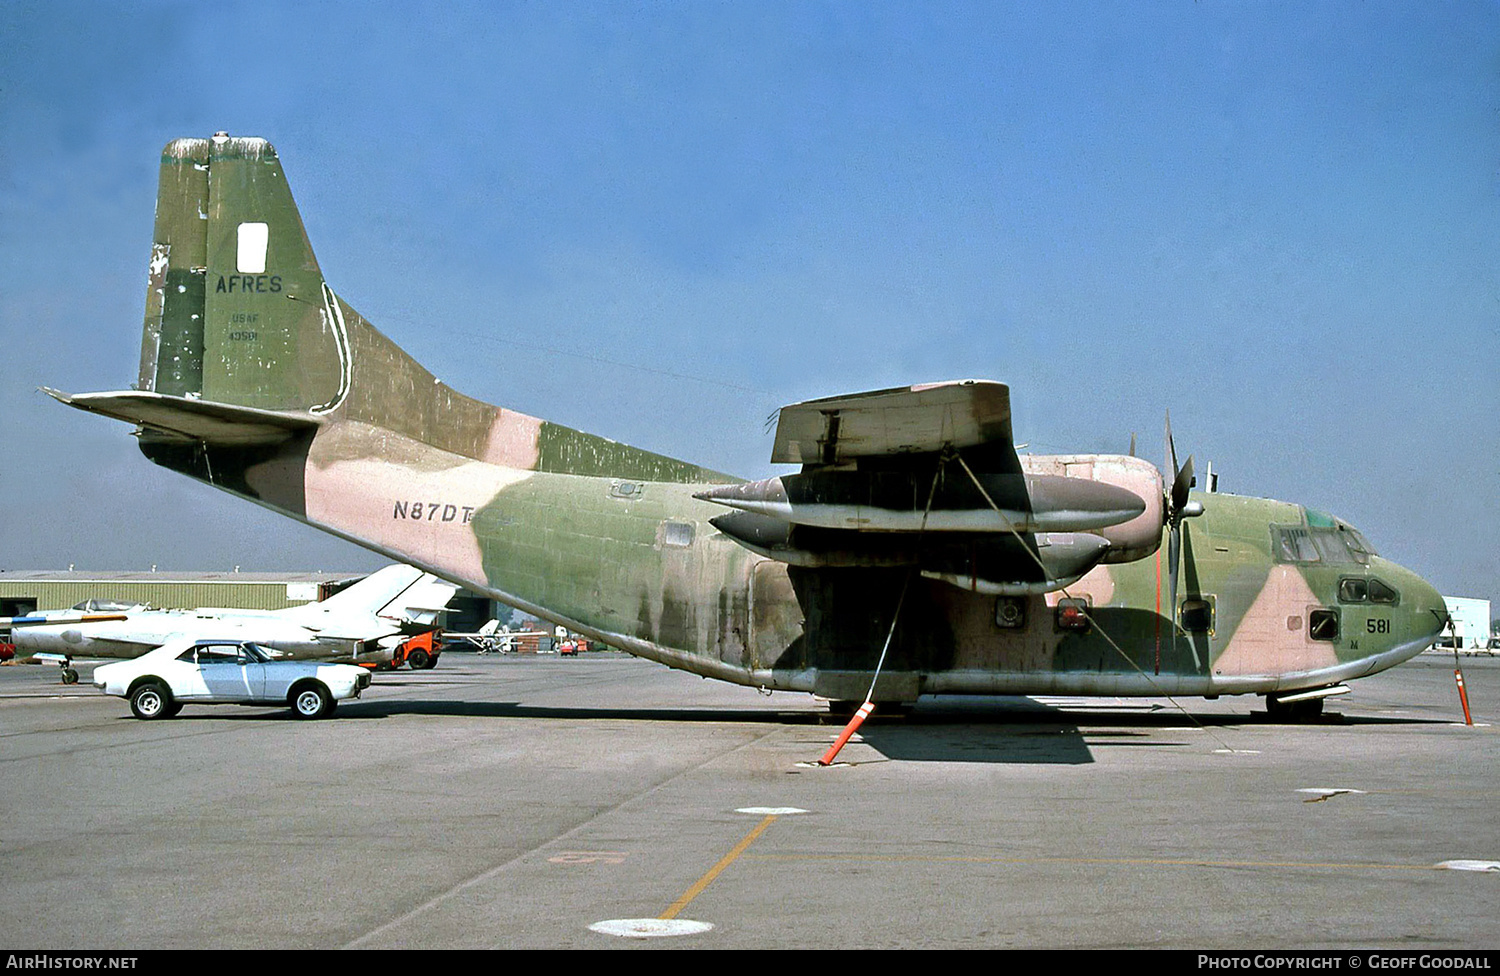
x=237 y=311
x=243 y=337
x=402 y=594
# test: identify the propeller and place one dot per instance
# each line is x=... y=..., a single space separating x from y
x=1177 y=508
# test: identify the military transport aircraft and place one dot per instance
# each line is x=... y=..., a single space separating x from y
x=913 y=533
x=362 y=622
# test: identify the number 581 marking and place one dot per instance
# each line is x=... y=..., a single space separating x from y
x=1376 y=625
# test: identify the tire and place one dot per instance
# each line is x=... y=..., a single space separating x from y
x=1308 y=710
x=151 y=701
x=311 y=701
x=69 y=676
x=419 y=660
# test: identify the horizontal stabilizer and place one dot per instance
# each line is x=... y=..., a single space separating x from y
x=905 y=420
x=193 y=419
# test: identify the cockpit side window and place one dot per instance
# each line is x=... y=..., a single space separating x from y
x=1294 y=544
x=1357 y=589
x=1316 y=544
x=1357 y=542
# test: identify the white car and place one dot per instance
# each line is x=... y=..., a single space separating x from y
x=188 y=671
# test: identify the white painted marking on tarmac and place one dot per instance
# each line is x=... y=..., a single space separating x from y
x=1324 y=792
x=1238 y=752
x=649 y=928
x=589 y=857
x=771 y=811
x=1463 y=865
x=1466 y=725
x=814 y=765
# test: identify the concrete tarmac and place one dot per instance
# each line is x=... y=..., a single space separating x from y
x=515 y=802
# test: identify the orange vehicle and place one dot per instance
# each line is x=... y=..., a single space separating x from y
x=420 y=652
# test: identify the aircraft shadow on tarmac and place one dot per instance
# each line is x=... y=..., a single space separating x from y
x=1002 y=730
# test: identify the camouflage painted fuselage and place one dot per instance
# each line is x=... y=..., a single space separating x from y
x=288 y=398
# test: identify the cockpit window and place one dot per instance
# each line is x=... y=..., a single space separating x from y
x=1358 y=589
x=1294 y=545
x=1356 y=540
x=1318 y=519
x=1316 y=544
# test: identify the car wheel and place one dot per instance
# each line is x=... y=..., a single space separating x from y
x=312 y=701
x=151 y=701
x=419 y=660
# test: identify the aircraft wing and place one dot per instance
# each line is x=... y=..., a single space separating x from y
x=904 y=420
x=58 y=618
x=879 y=490
x=198 y=420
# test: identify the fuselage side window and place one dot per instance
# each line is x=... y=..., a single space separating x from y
x=1197 y=616
x=1323 y=625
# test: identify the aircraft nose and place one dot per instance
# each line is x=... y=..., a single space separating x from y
x=1429 y=610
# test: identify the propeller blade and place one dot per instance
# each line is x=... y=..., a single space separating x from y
x=1174 y=547
x=1181 y=483
x=1171 y=447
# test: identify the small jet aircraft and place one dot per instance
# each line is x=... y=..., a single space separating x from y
x=914 y=541
x=363 y=622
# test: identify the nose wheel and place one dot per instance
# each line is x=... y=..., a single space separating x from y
x=63 y=661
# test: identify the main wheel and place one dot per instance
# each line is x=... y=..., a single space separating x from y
x=1306 y=710
x=312 y=701
x=152 y=701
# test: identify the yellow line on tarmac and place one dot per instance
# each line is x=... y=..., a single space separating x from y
x=717 y=869
x=1107 y=861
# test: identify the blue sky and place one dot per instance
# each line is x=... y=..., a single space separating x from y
x=661 y=221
